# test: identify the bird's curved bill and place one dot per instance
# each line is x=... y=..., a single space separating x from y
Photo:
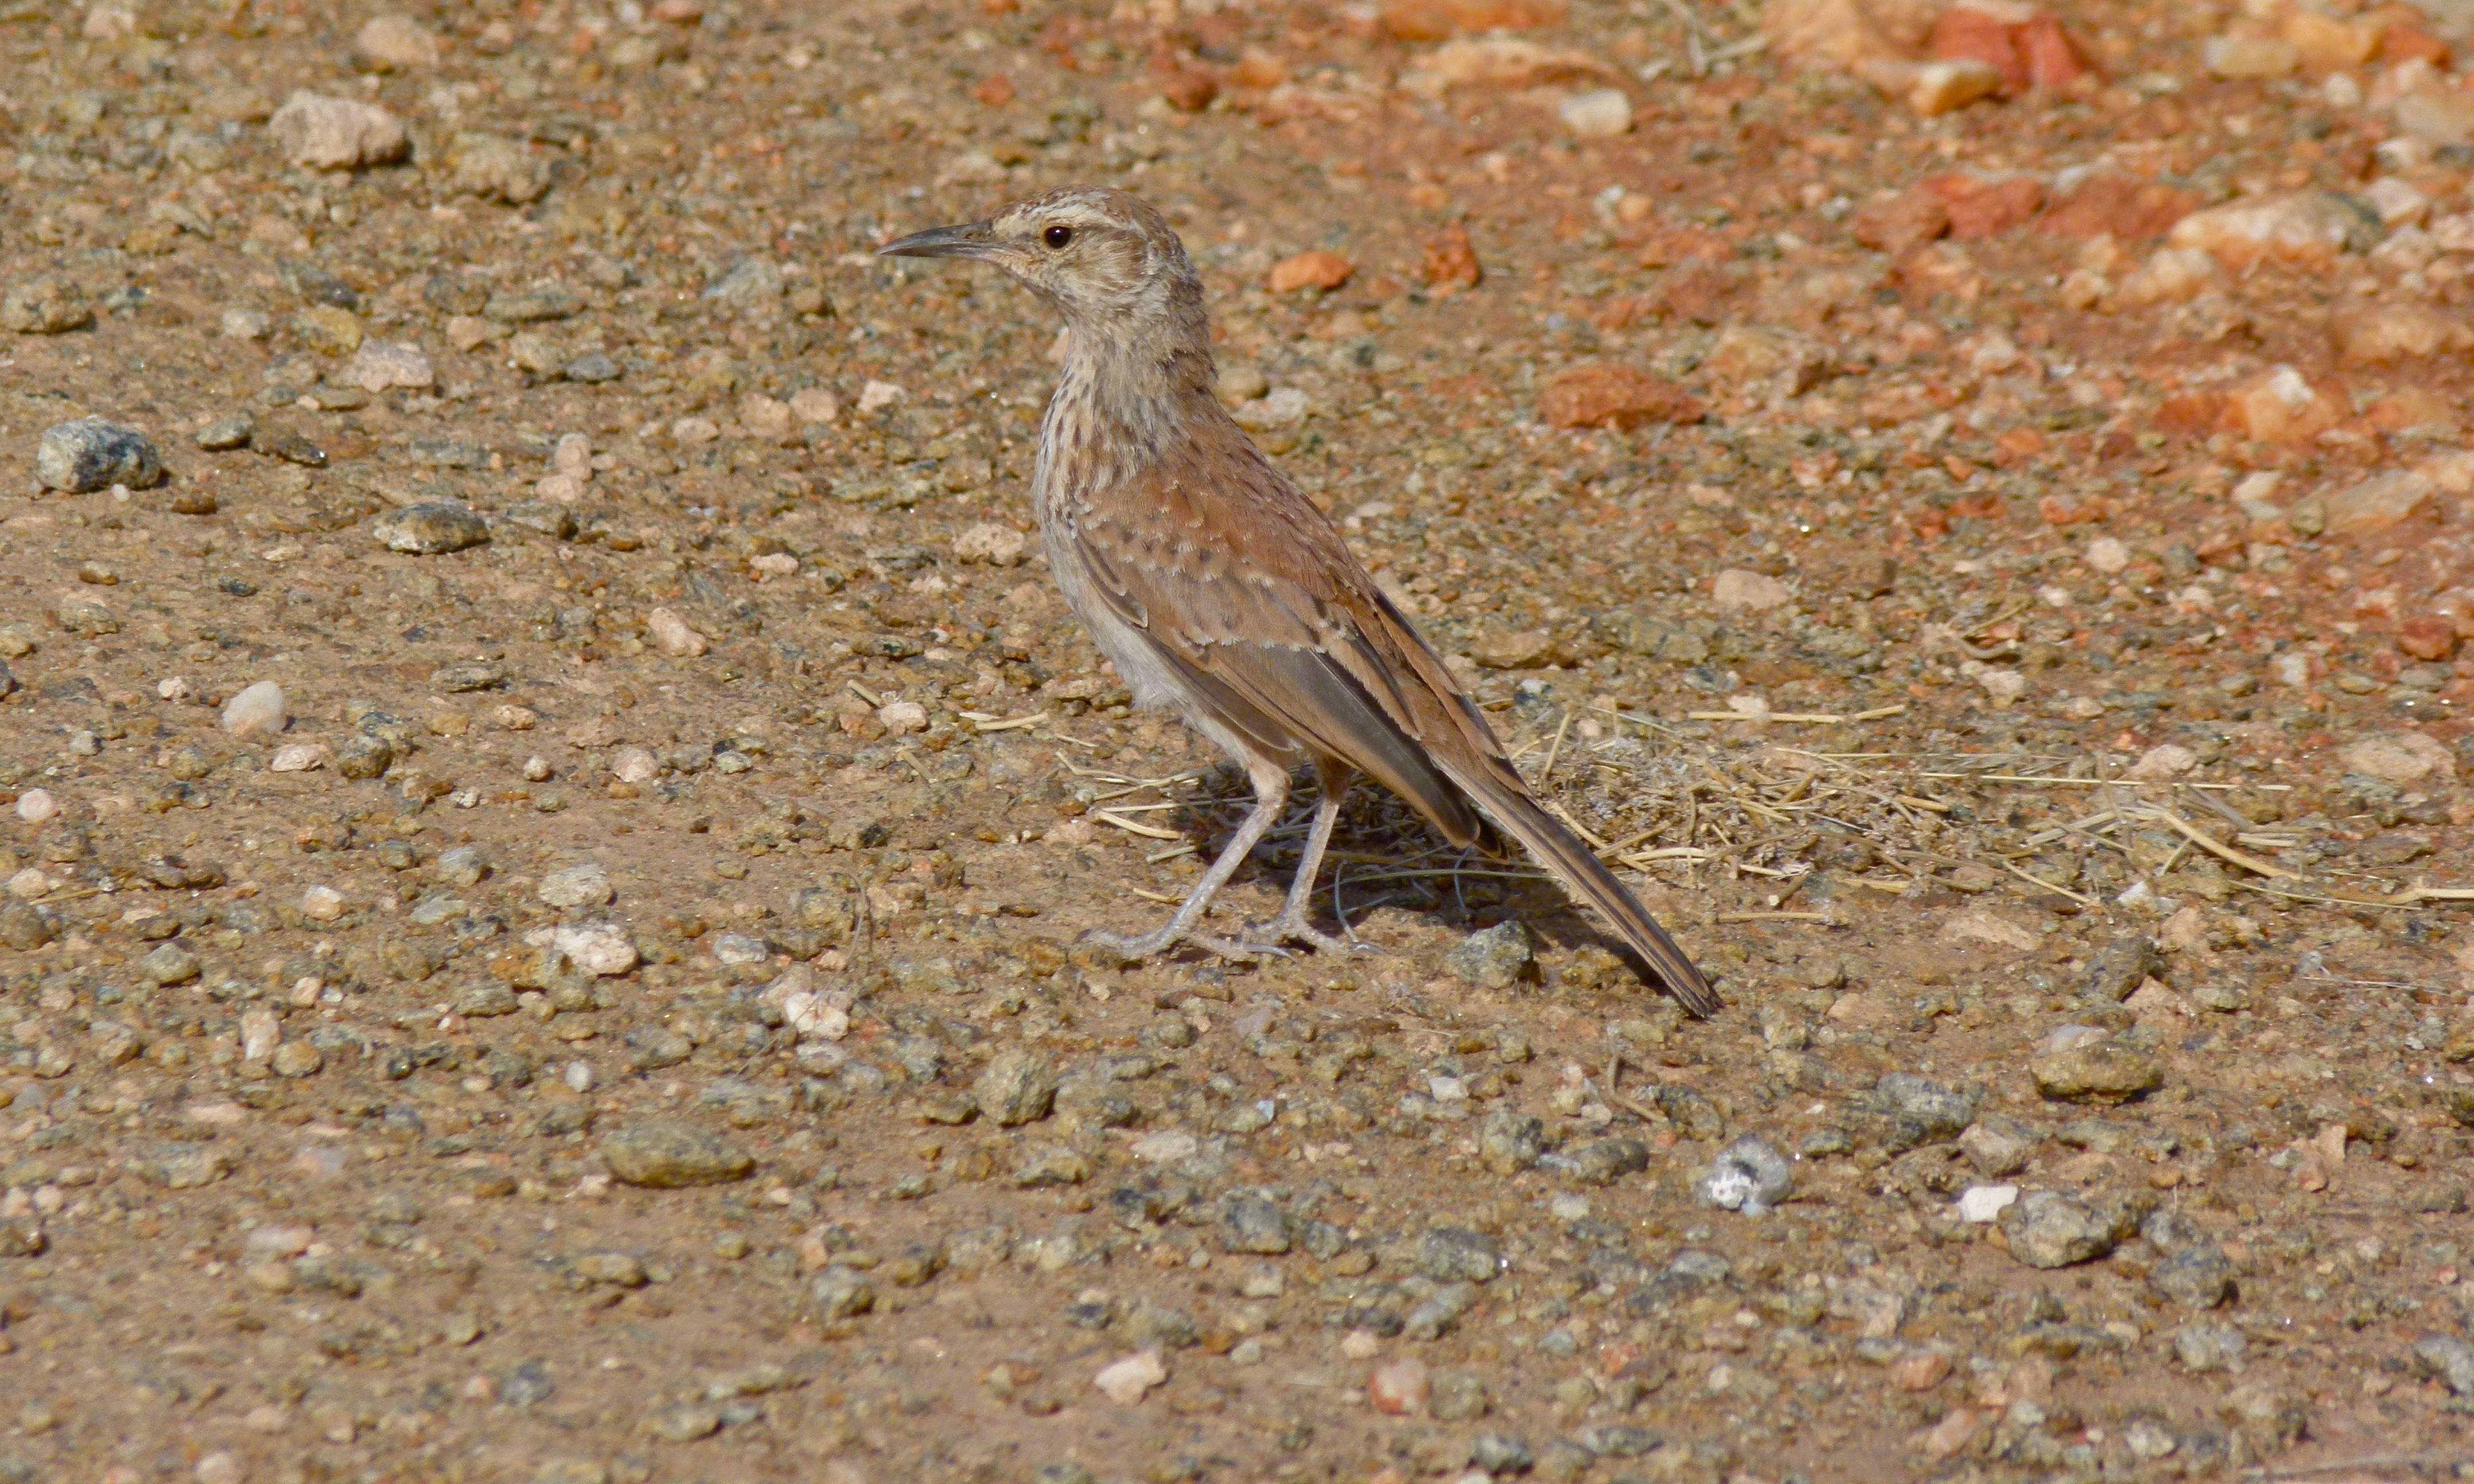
x=969 y=240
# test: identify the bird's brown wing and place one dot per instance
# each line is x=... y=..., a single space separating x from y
x=1249 y=593
x=1254 y=598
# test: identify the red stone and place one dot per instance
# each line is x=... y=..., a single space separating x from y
x=1966 y=34
x=2427 y=638
x=2053 y=60
x=1604 y=394
x=995 y=91
x=1978 y=207
x=1187 y=90
x=1902 y=224
x=1440 y=20
x=2130 y=210
x=1311 y=269
x=1450 y=263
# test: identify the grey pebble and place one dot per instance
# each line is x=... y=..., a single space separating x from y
x=2449 y=1358
x=91 y=453
x=1017 y=1088
x=431 y=529
x=592 y=369
x=666 y=1155
x=47 y=305
x=1997 y=1145
x=543 y=517
x=2205 y=1347
x=1491 y=959
x=1510 y=1143
x=2119 y=967
x=232 y=430
x=1748 y=1175
x=1254 y=1223
x=1456 y=1255
x=1601 y=1161
x=2050 y=1230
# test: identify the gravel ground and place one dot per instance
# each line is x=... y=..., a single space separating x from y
x=551 y=799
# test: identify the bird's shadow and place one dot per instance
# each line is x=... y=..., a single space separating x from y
x=1387 y=854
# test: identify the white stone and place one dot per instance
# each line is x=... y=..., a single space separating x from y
x=1738 y=590
x=903 y=717
x=2064 y=1038
x=560 y=489
x=877 y=396
x=2399 y=757
x=30 y=884
x=573 y=456
x=2003 y=684
x=258 y=711
x=1166 y=1147
x=336 y=134
x=395 y=43
x=2166 y=760
x=260 y=1033
x=245 y=324
x=815 y=1017
x=2107 y=554
x=1447 y=1090
x=598 y=949
x=991 y=543
x=672 y=637
x=299 y=758
x=1284 y=407
x=385 y=365
x=2398 y=204
x=582 y=885
x=1123 y=1382
x=1981 y=1204
x=2291 y=668
x=321 y=905
x=814 y=404
x=1600 y=114
x=635 y=765
x=173 y=688
x=36 y=806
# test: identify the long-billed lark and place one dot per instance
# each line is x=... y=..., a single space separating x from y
x=1222 y=594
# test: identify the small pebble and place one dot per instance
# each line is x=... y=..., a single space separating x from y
x=582 y=885
x=1125 y=1381
x=36 y=805
x=431 y=529
x=672 y=637
x=258 y=710
x=336 y=134
x=232 y=430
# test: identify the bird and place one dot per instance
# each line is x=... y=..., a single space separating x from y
x=1223 y=595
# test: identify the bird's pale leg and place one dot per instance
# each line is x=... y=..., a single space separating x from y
x=1292 y=926
x=1271 y=794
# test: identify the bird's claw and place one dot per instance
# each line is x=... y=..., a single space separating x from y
x=1101 y=949
x=1287 y=928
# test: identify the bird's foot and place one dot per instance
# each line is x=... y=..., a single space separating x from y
x=1293 y=927
x=1097 y=948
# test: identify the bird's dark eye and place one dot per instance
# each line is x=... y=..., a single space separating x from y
x=1057 y=236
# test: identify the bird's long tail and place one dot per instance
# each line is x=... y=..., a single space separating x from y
x=1574 y=864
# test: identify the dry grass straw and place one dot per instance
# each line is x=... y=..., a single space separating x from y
x=1651 y=797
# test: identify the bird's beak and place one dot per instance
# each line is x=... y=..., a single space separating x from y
x=971 y=239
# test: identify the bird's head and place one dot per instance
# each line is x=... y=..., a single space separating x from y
x=1106 y=260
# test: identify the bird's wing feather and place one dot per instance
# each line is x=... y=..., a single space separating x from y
x=1280 y=616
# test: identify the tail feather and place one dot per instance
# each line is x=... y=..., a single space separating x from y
x=1578 y=866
